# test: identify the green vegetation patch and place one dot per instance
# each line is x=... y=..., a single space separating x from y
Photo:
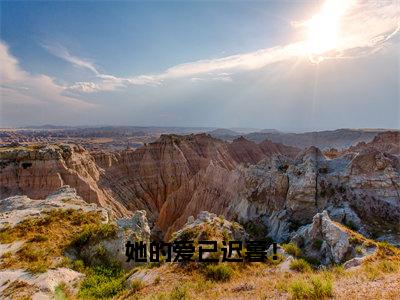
x=315 y=287
x=102 y=281
x=300 y=265
x=292 y=249
x=47 y=237
x=219 y=272
x=94 y=233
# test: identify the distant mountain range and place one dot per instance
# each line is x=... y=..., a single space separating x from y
x=340 y=138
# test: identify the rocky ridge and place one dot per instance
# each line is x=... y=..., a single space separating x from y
x=359 y=189
x=264 y=184
x=159 y=177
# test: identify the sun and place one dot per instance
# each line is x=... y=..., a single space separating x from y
x=323 y=29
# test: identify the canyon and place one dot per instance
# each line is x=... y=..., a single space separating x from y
x=268 y=185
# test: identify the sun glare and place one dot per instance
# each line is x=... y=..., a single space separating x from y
x=323 y=29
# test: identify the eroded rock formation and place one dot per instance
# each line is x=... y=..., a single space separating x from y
x=265 y=184
x=172 y=178
x=39 y=171
x=360 y=189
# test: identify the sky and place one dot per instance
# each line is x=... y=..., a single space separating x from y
x=288 y=65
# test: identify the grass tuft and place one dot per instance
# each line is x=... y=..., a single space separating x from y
x=179 y=292
x=219 y=272
x=94 y=232
x=292 y=249
x=137 y=285
x=300 y=265
x=47 y=237
x=316 y=287
x=102 y=281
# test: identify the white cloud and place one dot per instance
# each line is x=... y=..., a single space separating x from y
x=10 y=70
x=18 y=87
x=64 y=54
x=366 y=27
x=223 y=77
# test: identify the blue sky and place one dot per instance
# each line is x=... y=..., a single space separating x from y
x=217 y=64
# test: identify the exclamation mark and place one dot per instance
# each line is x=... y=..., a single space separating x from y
x=275 y=250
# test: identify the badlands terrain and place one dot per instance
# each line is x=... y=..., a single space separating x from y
x=71 y=198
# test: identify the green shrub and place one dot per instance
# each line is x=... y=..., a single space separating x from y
x=338 y=270
x=186 y=235
x=388 y=266
x=102 y=282
x=94 y=233
x=386 y=249
x=39 y=238
x=300 y=289
x=219 y=272
x=38 y=267
x=371 y=271
x=78 y=265
x=322 y=287
x=65 y=262
x=200 y=285
x=179 y=293
x=300 y=265
x=292 y=249
x=226 y=236
x=101 y=251
x=5 y=236
x=317 y=287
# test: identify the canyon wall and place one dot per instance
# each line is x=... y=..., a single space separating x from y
x=269 y=184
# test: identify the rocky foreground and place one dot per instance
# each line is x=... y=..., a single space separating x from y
x=64 y=247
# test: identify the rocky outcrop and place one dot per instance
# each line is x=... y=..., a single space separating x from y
x=324 y=240
x=388 y=142
x=213 y=189
x=15 y=209
x=39 y=171
x=136 y=226
x=244 y=151
x=208 y=226
x=284 y=189
x=133 y=229
x=360 y=190
x=178 y=176
x=270 y=148
x=20 y=284
x=160 y=177
x=302 y=199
